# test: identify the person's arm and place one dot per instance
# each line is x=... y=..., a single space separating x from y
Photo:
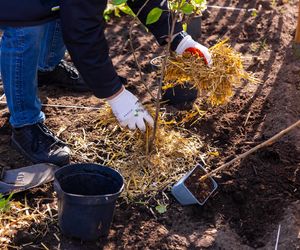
x=83 y=32
x=161 y=29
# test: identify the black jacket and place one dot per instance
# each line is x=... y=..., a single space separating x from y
x=83 y=31
x=27 y=12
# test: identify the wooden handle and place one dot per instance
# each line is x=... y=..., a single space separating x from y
x=297 y=38
x=252 y=150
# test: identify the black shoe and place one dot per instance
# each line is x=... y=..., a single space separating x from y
x=64 y=75
x=40 y=145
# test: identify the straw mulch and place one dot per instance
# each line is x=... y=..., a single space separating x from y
x=176 y=151
x=19 y=216
x=215 y=83
x=146 y=172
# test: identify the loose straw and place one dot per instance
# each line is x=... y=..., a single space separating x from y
x=241 y=156
x=215 y=83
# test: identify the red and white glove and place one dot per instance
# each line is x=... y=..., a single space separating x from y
x=129 y=111
x=188 y=44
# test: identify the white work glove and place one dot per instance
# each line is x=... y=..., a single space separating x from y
x=129 y=111
x=190 y=45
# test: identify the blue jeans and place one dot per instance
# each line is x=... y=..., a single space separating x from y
x=24 y=51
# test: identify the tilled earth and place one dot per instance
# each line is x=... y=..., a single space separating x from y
x=254 y=196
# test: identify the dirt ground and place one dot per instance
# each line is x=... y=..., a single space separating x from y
x=254 y=196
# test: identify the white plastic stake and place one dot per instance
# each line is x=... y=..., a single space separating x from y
x=277 y=239
x=230 y=8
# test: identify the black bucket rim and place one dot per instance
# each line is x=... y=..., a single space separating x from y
x=105 y=196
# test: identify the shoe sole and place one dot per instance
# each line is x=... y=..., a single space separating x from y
x=17 y=147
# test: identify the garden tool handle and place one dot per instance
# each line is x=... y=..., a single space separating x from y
x=269 y=142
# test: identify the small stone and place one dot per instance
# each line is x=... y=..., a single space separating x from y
x=162 y=231
x=205 y=241
x=212 y=231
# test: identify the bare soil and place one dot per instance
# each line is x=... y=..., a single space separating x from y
x=200 y=189
x=254 y=196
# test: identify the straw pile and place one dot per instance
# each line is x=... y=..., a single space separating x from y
x=146 y=173
x=19 y=217
x=216 y=83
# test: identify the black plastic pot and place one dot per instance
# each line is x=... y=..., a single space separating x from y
x=180 y=96
x=87 y=194
x=194 y=27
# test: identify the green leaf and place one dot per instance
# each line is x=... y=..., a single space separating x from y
x=200 y=5
x=187 y=9
x=200 y=1
x=173 y=6
x=125 y=9
x=184 y=26
x=117 y=12
x=254 y=13
x=5 y=203
x=106 y=18
x=118 y=2
x=182 y=3
x=153 y=15
x=161 y=209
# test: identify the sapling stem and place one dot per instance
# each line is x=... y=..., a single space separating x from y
x=135 y=18
x=163 y=69
x=175 y=14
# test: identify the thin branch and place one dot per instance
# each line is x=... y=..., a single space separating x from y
x=241 y=156
x=133 y=49
x=297 y=36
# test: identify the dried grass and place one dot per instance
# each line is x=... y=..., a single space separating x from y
x=146 y=173
x=104 y=141
x=176 y=151
x=216 y=83
x=20 y=217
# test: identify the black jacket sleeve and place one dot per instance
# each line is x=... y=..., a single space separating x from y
x=162 y=27
x=27 y=12
x=83 y=31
